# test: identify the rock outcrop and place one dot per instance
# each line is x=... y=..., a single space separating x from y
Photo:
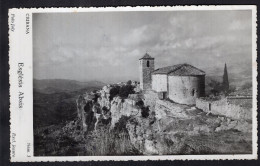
x=85 y=112
x=142 y=135
x=120 y=107
x=166 y=128
x=104 y=107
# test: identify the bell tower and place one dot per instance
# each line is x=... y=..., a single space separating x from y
x=146 y=67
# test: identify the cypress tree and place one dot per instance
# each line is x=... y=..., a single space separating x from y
x=225 y=83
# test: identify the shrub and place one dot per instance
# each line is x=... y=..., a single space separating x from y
x=129 y=82
x=216 y=87
x=114 y=92
x=120 y=126
x=96 y=96
x=94 y=91
x=140 y=103
x=145 y=112
x=126 y=90
x=103 y=142
x=123 y=91
x=105 y=109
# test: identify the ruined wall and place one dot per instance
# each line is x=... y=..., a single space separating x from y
x=150 y=98
x=145 y=73
x=185 y=89
x=227 y=107
x=159 y=82
x=203 y=105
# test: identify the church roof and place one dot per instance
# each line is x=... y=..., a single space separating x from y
x=180 y=70
x=146 y=56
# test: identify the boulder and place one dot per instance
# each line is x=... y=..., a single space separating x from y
x=150 y=148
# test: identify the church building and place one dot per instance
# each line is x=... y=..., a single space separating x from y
x=181 y=83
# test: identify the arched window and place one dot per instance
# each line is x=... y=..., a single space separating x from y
x=148 y=64
x=193 y=92
x=210 y=106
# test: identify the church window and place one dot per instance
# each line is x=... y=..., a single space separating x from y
x=210 y=106
x=148 y=64
x=193 y=92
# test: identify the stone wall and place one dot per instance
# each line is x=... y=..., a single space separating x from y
x=159 y=82
x=150 y=98
x=227 y=107
x=241 y=101
x=145 y=73
x=185 y=89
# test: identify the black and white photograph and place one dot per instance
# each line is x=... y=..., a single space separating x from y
x=142 y=83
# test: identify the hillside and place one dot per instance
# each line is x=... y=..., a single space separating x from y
x=55 y=108
x=54 y=99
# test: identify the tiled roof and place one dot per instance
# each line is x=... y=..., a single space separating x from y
x=180 y=70
x=166 y=70
x=147 y=56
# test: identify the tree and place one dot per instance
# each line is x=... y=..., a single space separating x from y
x=114 y=92
x=216 y=87
x=139 y=103
x=126 y=90
x=145 y=112
x=129 y=82
x=225 y=84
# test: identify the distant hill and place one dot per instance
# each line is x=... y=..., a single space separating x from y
x=239 y=74
x=234 y=79
x=53 y=106
x=48 y=86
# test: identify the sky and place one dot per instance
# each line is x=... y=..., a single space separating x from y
x=106 y=46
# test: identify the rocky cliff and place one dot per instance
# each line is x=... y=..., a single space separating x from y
x=160 y=126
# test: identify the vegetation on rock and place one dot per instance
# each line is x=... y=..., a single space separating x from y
x=122 y=91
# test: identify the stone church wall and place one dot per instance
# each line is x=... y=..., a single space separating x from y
x=150 y=98
x=159 y=82
x=185 y=89
x=145 y=74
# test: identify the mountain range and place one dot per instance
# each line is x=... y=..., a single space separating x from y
x=49 y=86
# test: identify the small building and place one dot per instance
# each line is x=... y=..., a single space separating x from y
x=181 y=83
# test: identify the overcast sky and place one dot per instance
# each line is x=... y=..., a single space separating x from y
x=106 y=46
